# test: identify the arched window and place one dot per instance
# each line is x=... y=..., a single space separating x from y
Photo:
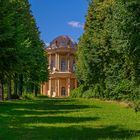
x=63 y=91
x=63 y=65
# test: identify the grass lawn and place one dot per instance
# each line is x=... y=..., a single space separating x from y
x=67 y=119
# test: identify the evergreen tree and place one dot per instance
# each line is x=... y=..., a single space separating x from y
x=22 y=58
x=109 y=50
x=8 y=53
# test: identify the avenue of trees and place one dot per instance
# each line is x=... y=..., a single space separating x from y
x=108 y=57
x=23 y=61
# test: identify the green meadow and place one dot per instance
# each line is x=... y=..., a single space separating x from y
x=67 y=119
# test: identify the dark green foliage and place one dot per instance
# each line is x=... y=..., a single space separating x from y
x=88 y=94
x=137 y=107
x=78 y=92
x=28 y=96
x=15 y=96
x=23 y=60
x=108 y=58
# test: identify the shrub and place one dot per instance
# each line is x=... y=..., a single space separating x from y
x=28 y=96
x=88 y=94
x=121 y=90
x=136 y=94
x=78 y=92
x=137 y=106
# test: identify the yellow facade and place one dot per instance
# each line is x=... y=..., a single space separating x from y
x=61 y=56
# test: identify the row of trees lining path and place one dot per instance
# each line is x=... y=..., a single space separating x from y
x=108 y=57
x=23 y=61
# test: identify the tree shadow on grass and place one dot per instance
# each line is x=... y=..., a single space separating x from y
x=14 y=124
x=21 y=112
x=55 y=119
x=51 y=106
x=66 y=99
x=75 y=132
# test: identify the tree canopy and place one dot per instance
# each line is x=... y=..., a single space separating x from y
x=108 y=57
x=23 y=59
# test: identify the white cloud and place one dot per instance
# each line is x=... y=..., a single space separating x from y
x=76 y=24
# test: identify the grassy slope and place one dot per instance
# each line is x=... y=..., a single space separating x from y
x=67 y=119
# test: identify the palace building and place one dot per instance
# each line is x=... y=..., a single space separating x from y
x=61 y=56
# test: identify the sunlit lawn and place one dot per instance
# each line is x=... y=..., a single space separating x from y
x=67 y=119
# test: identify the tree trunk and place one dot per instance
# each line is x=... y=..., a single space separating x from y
x=9 y=89
x=39 y=89
x=32 y=87
x=36 y=90
x=20 y=85
x=29 y=88
x=1 y=91
x=15 y=85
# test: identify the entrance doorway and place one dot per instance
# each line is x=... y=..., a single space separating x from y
x=63 y=91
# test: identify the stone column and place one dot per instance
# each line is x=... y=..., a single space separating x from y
x=58 y=88
x=41 y=90
x=68 y=86
x=50 y=87
x=68 y=62
x=58 y=62
x=50 y=59
x=54 y=88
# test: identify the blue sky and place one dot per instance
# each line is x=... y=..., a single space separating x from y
x=59 y=17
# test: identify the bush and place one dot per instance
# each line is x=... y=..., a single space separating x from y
x=121 y=90
x=137 y=106
x=78 y=92
x=28 y=96
x=88 y=94
x=136 y=94
x=84 y=92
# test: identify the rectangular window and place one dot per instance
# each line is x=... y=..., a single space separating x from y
x=63 y=65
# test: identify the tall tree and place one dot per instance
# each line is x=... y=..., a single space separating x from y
x=8 y=56
x=22 y=58
x=109 y=50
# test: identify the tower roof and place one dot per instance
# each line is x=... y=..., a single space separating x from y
x=62 y=41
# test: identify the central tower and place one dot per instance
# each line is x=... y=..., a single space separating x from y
x=61 y=56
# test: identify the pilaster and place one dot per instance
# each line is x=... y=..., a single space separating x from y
x=58 y=87
x=58 y=62
x=50 y=87
x=68 y=57
x=68 y=86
